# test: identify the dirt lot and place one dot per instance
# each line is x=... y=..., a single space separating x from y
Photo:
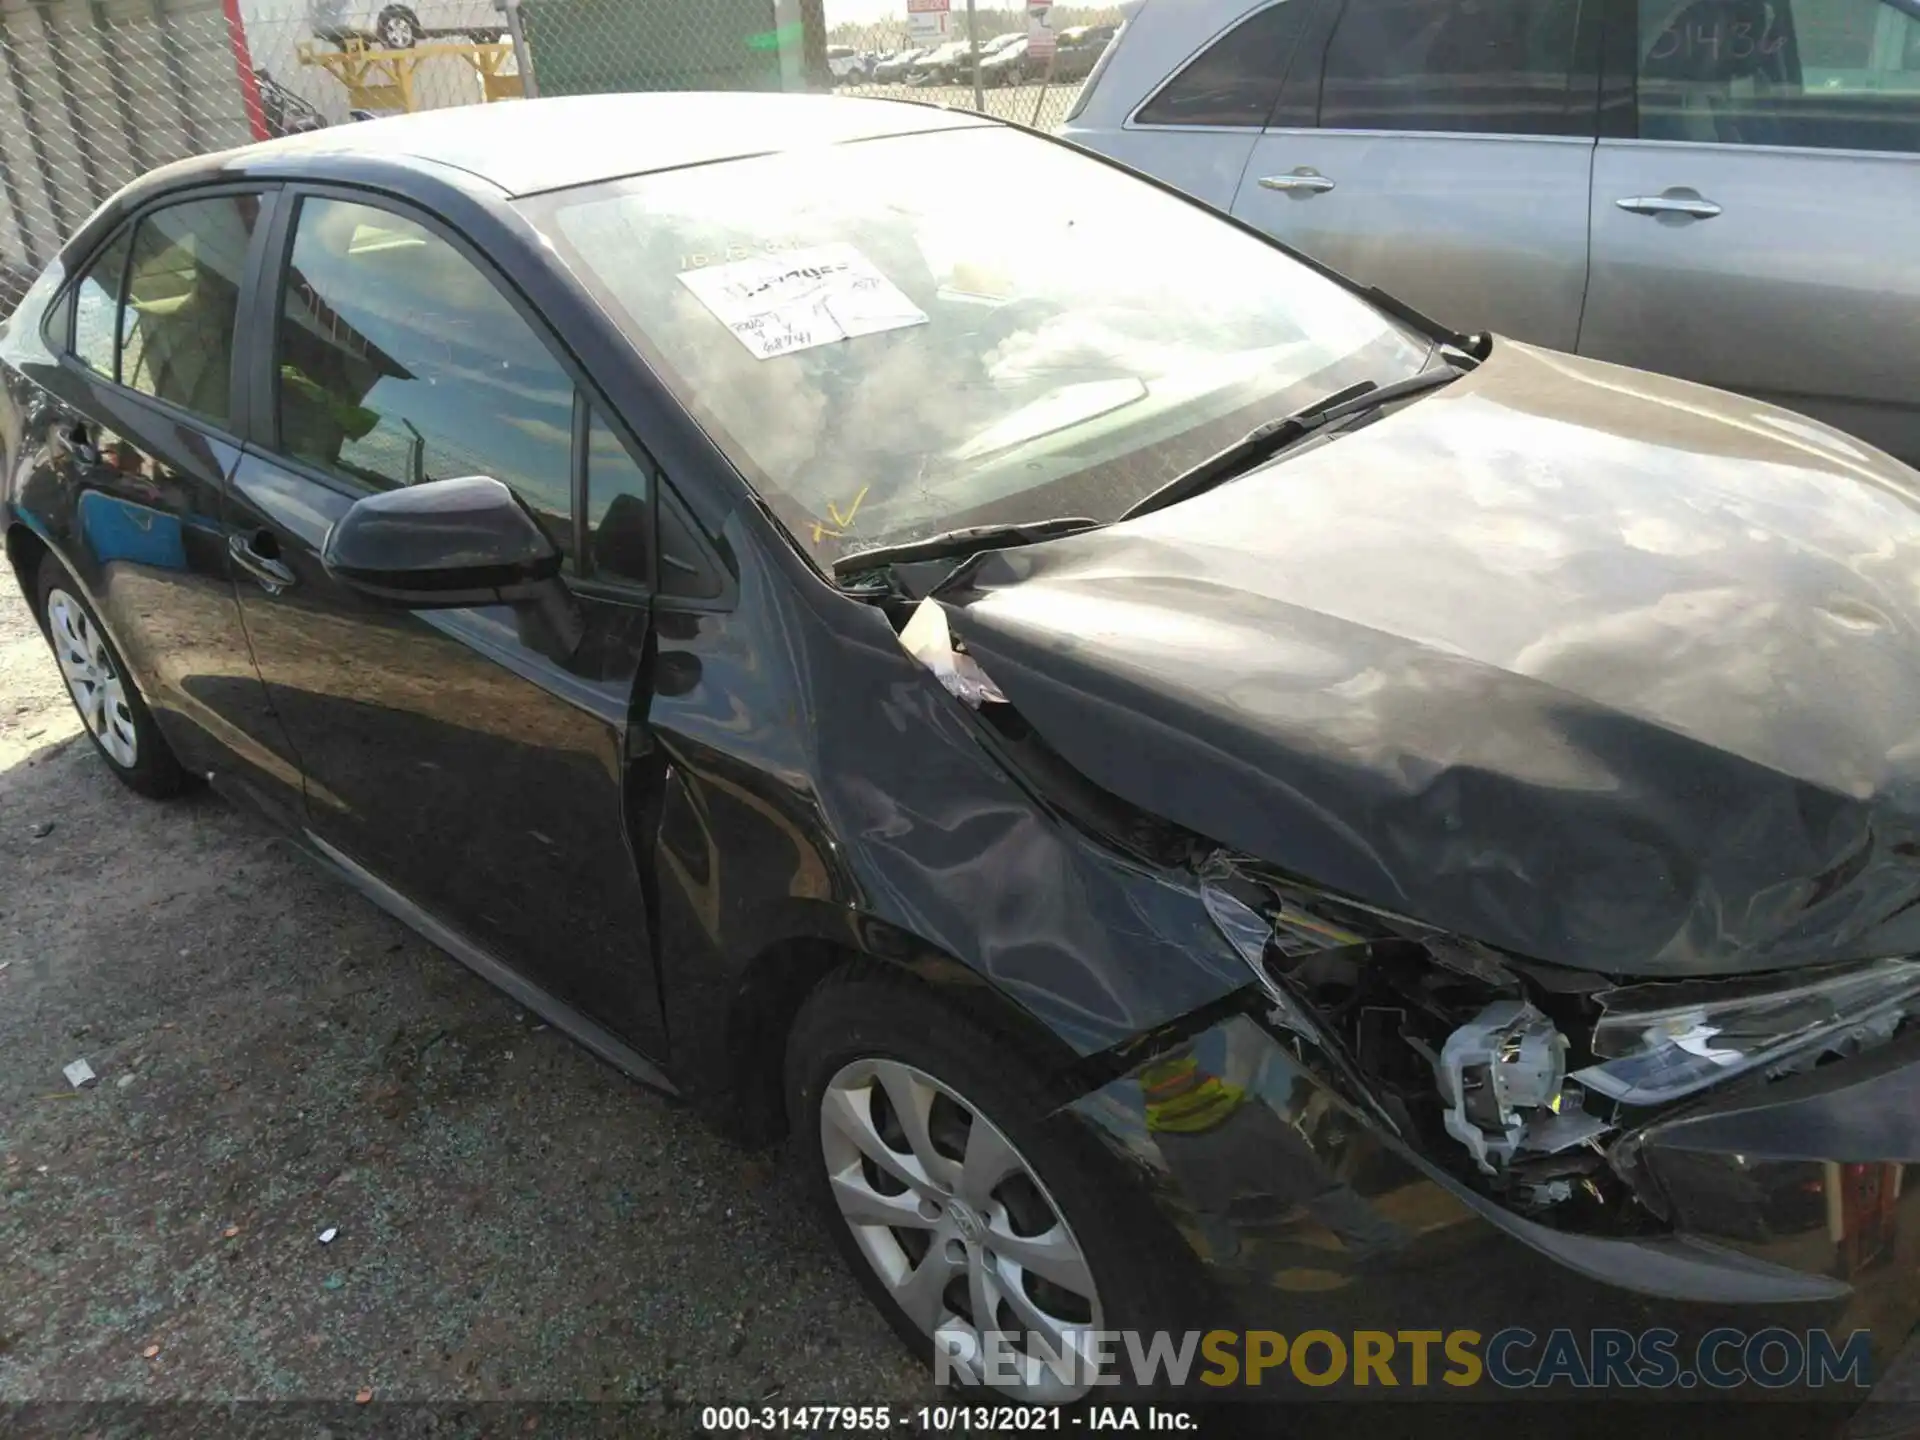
x=515 y=1221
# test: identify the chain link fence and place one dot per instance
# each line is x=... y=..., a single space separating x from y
x=96 y=92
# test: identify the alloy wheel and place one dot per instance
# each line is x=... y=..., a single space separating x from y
x=99 y=694
x=956 y=1223
x=396 y=32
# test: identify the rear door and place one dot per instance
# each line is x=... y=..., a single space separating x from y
x=1197 y=128
x=1756 y=224
x=1440 y=150
x=146 y=432
x=471 y=761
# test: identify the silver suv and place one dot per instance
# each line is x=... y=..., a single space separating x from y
x=1725 y=190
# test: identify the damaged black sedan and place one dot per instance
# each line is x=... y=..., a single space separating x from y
x=1194 y=796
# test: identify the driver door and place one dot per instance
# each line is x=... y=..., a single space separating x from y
x=468 y=763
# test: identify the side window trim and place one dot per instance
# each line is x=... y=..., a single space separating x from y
x=1609 y=38
x=1297 y=105
x=236 y=430
x=579 y=477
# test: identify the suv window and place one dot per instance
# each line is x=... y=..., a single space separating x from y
x=399 y=361
x=1827 y=74
x=96 y=307
x=1235 y=80
x=1495 y=67
x=183 y=290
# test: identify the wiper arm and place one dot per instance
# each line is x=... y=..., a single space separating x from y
x=966 y=541
x=1263 y=442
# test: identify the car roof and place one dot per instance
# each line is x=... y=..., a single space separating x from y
x=527 y=146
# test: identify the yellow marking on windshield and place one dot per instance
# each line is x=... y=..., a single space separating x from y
x=820 y=528
x=852 y=510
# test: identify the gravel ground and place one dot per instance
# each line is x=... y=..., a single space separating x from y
x=515 y=1221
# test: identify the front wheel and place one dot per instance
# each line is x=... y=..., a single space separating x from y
x=117 y=720
x=996 y=1237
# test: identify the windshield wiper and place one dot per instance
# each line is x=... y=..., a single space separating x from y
x=967 y=541
x=1263 y=442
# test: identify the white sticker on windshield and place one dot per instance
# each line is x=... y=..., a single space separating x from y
x=776 y=304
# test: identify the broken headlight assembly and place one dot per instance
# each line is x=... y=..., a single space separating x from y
x=1517 y=1076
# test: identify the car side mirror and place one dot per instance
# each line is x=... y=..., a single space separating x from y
x=441 y=545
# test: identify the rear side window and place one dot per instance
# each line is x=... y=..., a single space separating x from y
x=96 y=307
x=1236 y=80
x=1466 y=66
x=183 y=290
x=1820 y=74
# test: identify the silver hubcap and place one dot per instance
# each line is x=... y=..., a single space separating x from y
x=98 y=692
x=399 y=34
x=957 y=1225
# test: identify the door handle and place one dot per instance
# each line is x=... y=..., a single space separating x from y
x=1302 y=182
x=270 y=573
x=1674 y=202
x=71 y=439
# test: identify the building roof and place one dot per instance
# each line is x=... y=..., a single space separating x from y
x=526 y=146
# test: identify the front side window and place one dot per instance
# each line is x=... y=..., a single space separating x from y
x=1496 y=67
x=96 y=308
x=399 y=361
x=183 y=291
x=1236 y=80
x=1823 y=74
x=883 y=356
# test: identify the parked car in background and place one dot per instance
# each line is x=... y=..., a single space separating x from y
x=940 y=65
x=892 y=69
x=1728 y=192
x=844 y=64
x=1079 y=48
x=1008 y=64
x=1189 y=795
x=284 y=112
x=389 y=26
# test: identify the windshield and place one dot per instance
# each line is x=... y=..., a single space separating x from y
x=901 y=336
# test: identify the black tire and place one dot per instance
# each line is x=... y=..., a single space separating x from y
x=155 y=772
x=397 y=29
x=1146 y=1277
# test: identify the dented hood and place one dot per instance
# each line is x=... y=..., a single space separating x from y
x=1605 y=669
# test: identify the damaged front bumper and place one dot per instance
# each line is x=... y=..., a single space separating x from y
x=1402 y=1131
x=1789 y=1205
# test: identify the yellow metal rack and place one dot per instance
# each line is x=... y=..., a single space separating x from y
x=383 y=79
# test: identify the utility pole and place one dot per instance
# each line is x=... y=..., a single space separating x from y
x=973 y=40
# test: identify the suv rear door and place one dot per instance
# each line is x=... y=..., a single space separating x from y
x=1754 y=221
x=1197 y=126
x=1441 y=150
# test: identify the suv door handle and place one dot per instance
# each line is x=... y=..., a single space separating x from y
x=1674 y=202
x=1303 y=181
x=71 y=439
x=270 y=573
